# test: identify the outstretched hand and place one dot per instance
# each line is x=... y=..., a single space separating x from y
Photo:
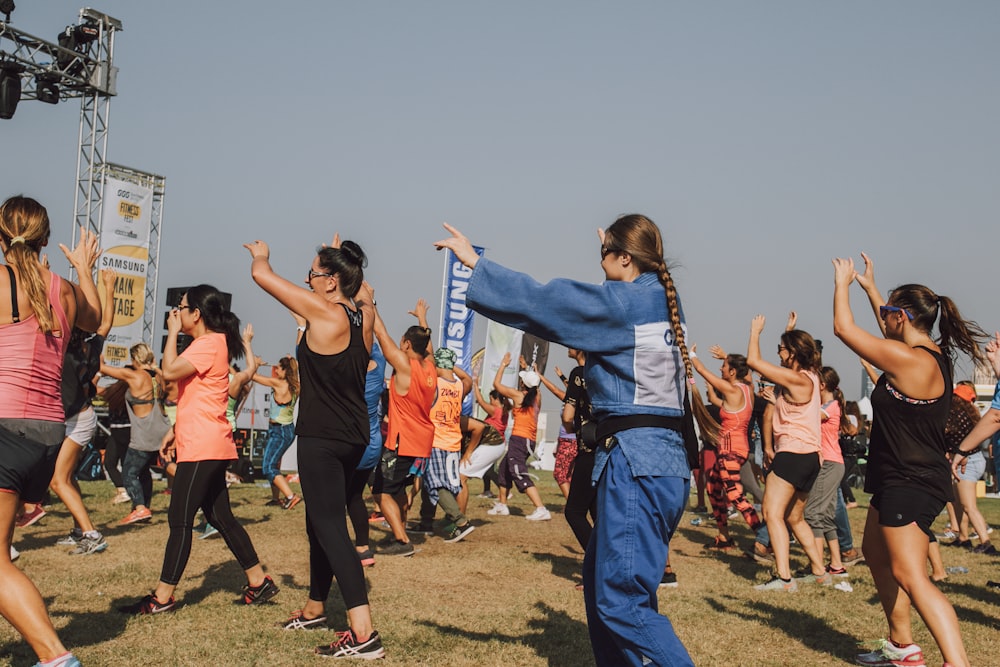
x=993 y=352
x=843 y=272
x=459 y=245
x=866 y=279
x=85 y=254
x=717 y=352
x=757 y=324
x=420 y=310
x=258 y=249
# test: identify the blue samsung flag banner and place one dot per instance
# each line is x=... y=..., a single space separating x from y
x=456 y=318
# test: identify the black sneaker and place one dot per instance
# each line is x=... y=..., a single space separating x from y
x=148 y=605
x=458 y=533
x=300 y=622
x=260 y=594
x=669 y=580
x=396 y=548
x=348 y=646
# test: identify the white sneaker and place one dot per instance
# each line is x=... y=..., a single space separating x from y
x=499 y=509
x=540 y=514
x=887 y=654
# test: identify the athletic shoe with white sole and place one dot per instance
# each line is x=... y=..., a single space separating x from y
x=299 y=622
x=540 y=514
x=669 y=580
x=148 y=605
x=499 y=509
x=90 y=544
x=778 y=584
x=262 y=593
x=348 y=646
x=458 y=533
x=889 y=655
x=70 y=540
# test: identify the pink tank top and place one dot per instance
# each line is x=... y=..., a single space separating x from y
x=733 y=435
x=796 y=425
x=31 y=364
x=831 y=433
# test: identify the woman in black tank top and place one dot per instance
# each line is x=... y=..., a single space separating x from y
x=909 y=476
x=332 y=428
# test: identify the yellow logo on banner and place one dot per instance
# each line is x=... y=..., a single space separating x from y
x=129 y=210
x=130 y=286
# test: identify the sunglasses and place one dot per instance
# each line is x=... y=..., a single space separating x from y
x=605 y=250
x=883 y=311
x=315 y=274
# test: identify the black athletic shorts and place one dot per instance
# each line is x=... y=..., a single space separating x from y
x=26 y=464
x=902 y=505
x=395 y=472
x=799 y=470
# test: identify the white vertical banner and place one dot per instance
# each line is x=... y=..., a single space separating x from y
x=456 y=318
x=500 y=339
x=126 y=218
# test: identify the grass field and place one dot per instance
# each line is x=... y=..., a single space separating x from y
x=504 y=596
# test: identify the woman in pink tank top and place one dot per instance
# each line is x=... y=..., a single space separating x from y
x=794 y=458
x=38 y=310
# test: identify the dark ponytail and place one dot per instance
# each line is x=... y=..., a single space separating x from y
x=217 y=317
x=955 y=332
x=347 y=263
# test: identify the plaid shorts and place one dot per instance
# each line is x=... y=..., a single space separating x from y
x=442 y=473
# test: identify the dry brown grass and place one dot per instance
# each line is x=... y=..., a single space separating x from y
x=505 y=596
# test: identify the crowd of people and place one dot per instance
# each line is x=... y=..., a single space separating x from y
x=634 y=428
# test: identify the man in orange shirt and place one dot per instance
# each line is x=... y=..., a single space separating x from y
x=411 y=433
x=441 y=479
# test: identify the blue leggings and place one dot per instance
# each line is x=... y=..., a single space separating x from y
x=279 y=439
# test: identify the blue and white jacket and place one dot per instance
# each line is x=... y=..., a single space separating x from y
x=633 y=366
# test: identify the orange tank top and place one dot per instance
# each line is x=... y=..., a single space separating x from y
x=447 y=415
x=733 y=434
x=525 y=422
x=411 y=432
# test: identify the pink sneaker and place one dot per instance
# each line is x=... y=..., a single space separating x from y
x=137 y=515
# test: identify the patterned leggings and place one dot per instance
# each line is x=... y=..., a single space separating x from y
x=722 y=481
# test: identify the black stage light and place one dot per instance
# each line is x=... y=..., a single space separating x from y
x=7 y=7
x=10 y=87
x=45 y=87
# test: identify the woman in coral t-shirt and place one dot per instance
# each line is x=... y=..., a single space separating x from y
x=205 y=447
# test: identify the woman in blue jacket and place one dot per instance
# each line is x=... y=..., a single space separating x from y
x=632 y=328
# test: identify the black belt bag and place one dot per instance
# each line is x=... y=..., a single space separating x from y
x=602 y=432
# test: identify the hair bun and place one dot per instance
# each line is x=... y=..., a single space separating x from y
x=354 y=254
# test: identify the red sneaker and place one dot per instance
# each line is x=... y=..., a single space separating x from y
x=137 y=515
x=31 y=517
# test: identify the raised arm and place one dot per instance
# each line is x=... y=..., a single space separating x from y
x=88 y=302
x=499 y=386
x=247 y=374
x=867 y=282
x=483 y=403
x=175 y=367
x=108 y=277
x=466 y=380
x=729 y=392
x=891 y=356
x=298 y=299
x=420 y=312
x=793 y=382
x=558 y=392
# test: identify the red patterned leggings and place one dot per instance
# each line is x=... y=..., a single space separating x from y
x=722 y=482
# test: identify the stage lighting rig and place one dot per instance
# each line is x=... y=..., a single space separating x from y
x=10 y=87
x=47 y=87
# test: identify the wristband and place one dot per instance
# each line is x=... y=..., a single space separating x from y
x=300 y=328
x=959 y=452
x=693 y=355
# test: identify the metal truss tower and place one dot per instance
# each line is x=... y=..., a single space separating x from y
x=81 y=65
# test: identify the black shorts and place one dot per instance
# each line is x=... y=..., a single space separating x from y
x=26 y=465
x=394 y=472
x=799 y=470
x=901 y=505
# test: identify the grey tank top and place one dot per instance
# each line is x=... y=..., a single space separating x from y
x=147 y=432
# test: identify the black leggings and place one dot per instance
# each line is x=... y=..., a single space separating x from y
x=325 y=466
x=356 y=507
x=114 y=454
x=582 y=499
x=202 y=484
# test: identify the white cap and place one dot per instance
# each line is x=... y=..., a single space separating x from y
x=529 y=378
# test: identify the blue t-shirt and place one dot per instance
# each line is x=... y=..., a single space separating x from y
x=996 y=397
x=374 y=383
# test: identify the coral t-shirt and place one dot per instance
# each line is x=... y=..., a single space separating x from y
x=202 y=431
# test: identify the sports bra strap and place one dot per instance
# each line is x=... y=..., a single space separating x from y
x=14 y=314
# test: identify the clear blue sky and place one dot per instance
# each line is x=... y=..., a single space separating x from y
x=764 y=138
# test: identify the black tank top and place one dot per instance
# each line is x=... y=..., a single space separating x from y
x=332 y=402
x=907 y=446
